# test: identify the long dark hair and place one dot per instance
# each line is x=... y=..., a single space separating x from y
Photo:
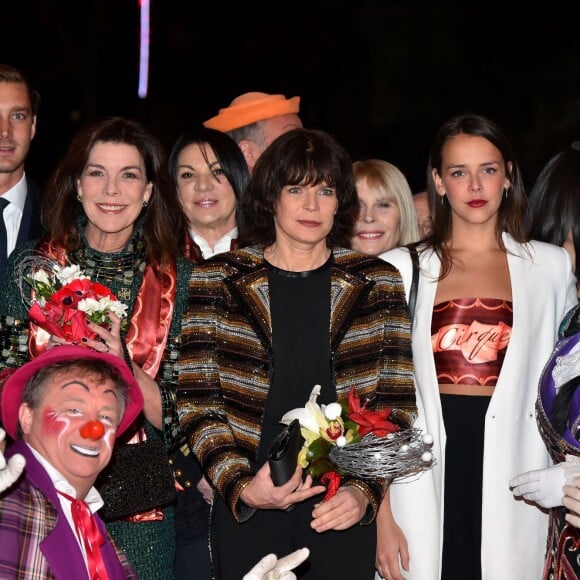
x=555 y=201
x=227 y=152
x=512 y=211
x=299 y=157
x=163 y=219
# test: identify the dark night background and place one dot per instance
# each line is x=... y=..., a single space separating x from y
x=380 y=75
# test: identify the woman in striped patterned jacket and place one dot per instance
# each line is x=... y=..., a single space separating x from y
x=266 y=323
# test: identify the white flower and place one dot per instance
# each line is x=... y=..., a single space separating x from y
x=69 y=273
x=118 y=309
x=102 y=307
x=332 y=411
x=89 y=305
x=310 y=416
x=41 y=277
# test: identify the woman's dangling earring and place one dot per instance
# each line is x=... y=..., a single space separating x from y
x=443 y=197
x=505 y=192
x=80 y=197
x=145 y=203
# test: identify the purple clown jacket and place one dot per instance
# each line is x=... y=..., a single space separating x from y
x=563 y=542
x=36 y=540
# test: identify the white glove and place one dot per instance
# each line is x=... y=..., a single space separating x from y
x=544 y=486
x=9 y=472
x=270 y=568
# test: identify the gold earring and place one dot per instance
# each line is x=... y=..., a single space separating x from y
x=80 y=197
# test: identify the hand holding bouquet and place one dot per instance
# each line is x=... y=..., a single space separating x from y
x=64 y=300
x=350 y=439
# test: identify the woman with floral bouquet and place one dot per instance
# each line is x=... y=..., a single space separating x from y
x=111 y=256
x=263 y=326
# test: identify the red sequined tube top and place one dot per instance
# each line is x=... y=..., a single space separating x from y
x=469 y=337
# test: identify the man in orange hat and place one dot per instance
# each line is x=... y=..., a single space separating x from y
x=254 y=120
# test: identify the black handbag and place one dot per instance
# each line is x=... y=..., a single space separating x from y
x=414 y=282
x=283 y=453
x=138 y=479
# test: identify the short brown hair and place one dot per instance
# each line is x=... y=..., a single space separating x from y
x=9 y=74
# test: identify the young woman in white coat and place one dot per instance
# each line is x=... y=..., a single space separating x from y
x=488 y=308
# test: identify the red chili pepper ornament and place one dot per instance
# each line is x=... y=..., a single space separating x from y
x=332 y=481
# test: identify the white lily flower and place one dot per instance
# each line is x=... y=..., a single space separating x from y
x=311 y=416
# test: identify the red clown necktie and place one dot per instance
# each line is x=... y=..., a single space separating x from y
x=90 y=535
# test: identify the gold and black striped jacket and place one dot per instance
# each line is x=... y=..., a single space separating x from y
x=226 y=358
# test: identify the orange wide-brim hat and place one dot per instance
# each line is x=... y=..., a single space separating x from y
x=250 y=108
x=14 y=386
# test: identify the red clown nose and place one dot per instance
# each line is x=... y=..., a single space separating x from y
x=93 y=430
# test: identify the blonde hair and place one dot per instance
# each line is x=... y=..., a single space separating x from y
x=388 y=182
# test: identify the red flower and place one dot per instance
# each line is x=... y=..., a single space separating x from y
x=100 y=291
x=70 y=295
x=64 y=298
x=331 y=480
x=376 y=422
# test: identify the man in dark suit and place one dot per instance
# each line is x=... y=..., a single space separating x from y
x=18 y=109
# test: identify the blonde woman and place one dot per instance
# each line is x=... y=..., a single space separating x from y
x=387 y=216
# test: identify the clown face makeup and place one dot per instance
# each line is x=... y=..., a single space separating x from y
x=74 y=425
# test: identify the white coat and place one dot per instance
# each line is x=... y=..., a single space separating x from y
x=513 y=532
